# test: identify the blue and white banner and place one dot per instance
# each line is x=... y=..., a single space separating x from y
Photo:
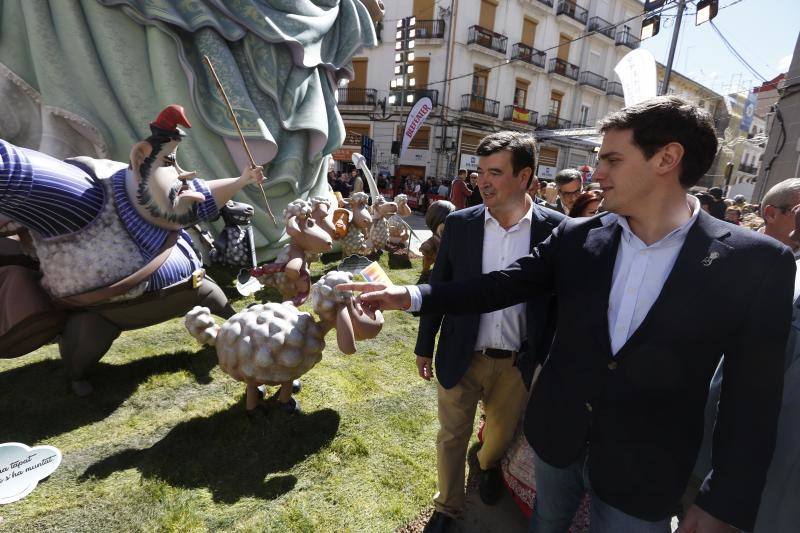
x=749 y=112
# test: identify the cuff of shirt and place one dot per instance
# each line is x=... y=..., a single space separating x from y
x=206 y=210
x=416 y=298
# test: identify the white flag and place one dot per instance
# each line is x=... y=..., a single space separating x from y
x=637 y=72
x=416 y=117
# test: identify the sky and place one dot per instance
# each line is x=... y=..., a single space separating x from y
x=764 y=32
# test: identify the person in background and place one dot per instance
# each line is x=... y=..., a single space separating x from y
x=444 y=189
x=776 y=209
x=459 y=192
x=586 y=204
x=717 y=207
x=733 y=215
x=705 y=200
x=569 y=185
x=475 y=195
x=356 y=181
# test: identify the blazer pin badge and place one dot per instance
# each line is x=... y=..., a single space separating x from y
x=710 y=259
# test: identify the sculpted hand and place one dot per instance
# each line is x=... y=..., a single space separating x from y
x=699 y=521
x=252 y=175
x=425 y=367
x=378 y=296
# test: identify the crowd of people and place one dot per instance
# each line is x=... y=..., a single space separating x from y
x=660 y=392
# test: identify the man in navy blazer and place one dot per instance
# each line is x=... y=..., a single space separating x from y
x=488 y=357
x=618 y=407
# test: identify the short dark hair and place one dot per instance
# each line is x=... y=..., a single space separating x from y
x=568 y=175
x=666 y=119
x=521 y=145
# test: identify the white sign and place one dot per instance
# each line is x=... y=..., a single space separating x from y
x=637 y=72
x=22 y=467
x=469 y=162
x=414 y=157
x=546 y=173
x=416 y=117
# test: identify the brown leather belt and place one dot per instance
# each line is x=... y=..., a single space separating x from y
x=497 y=353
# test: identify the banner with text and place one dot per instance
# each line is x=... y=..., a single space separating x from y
x=415 y=119
x=637 y=72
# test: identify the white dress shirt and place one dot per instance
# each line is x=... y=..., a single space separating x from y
x=504 y=329
x=639 y=275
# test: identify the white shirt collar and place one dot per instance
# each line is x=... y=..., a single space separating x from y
x=487 y=216
x=677 y=233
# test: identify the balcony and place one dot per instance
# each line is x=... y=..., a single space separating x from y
x=552 y=122
x=548 y=3
x=614 y=88
x=354 y=96
x=596 y=81
x=748 y=169
x=479 y=104
x=430 y=29
x=401 y=97
x=626 y=38
x=563 y=68
x=528 y=55
x=520 y=115
x=573 y=11
x=485 y=40
x=601 y=27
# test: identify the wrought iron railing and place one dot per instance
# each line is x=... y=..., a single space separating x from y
x=479 y=104
x=572 y=10
x=430 y=29
x=525 y=53
x=601 y=26
x=593 y=80
x=354 y=96
x=614 y=88
x=487 y=38
x=564 y=68
x=626 y=38
x=520 y=115
x=552 y=122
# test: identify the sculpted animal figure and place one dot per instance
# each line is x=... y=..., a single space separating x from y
x=275 y=343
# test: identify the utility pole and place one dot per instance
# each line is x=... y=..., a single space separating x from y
x=675 y=31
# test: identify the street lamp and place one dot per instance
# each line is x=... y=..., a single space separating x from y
x=706 y=10
x=650 y=27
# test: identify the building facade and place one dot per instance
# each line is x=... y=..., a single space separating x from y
x=542 y=66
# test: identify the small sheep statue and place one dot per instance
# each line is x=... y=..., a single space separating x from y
x=379 y=232
x=360 y=220
x=289 y=273
x=274 y=343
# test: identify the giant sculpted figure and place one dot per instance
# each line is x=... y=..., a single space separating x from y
x=94 y=225
x=85 y=77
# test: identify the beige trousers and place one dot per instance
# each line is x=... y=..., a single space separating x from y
x=499 y=384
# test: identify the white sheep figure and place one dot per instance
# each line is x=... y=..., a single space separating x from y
x=274 y=343
x=355 y=240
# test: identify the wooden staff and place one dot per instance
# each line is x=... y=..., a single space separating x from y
x=239 y=129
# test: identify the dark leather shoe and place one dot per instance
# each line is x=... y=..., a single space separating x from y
x=439 y=523
x=490 y=487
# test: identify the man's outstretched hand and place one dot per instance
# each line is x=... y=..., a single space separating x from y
x=379 y=296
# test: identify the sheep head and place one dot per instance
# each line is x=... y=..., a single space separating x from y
x=402 y=205
x=358 y=206
x=322 y=215
x=340 y=309
x=383 y=209
x=303 y=229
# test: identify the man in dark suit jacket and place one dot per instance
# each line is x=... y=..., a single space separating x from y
x=621 y=396
x=486 y=357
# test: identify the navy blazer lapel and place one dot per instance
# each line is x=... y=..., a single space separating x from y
x=541 y=228
x=698 y=263
x=474 y=243
x=601 y=248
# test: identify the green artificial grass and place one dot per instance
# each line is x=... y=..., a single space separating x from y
x=164 y=444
